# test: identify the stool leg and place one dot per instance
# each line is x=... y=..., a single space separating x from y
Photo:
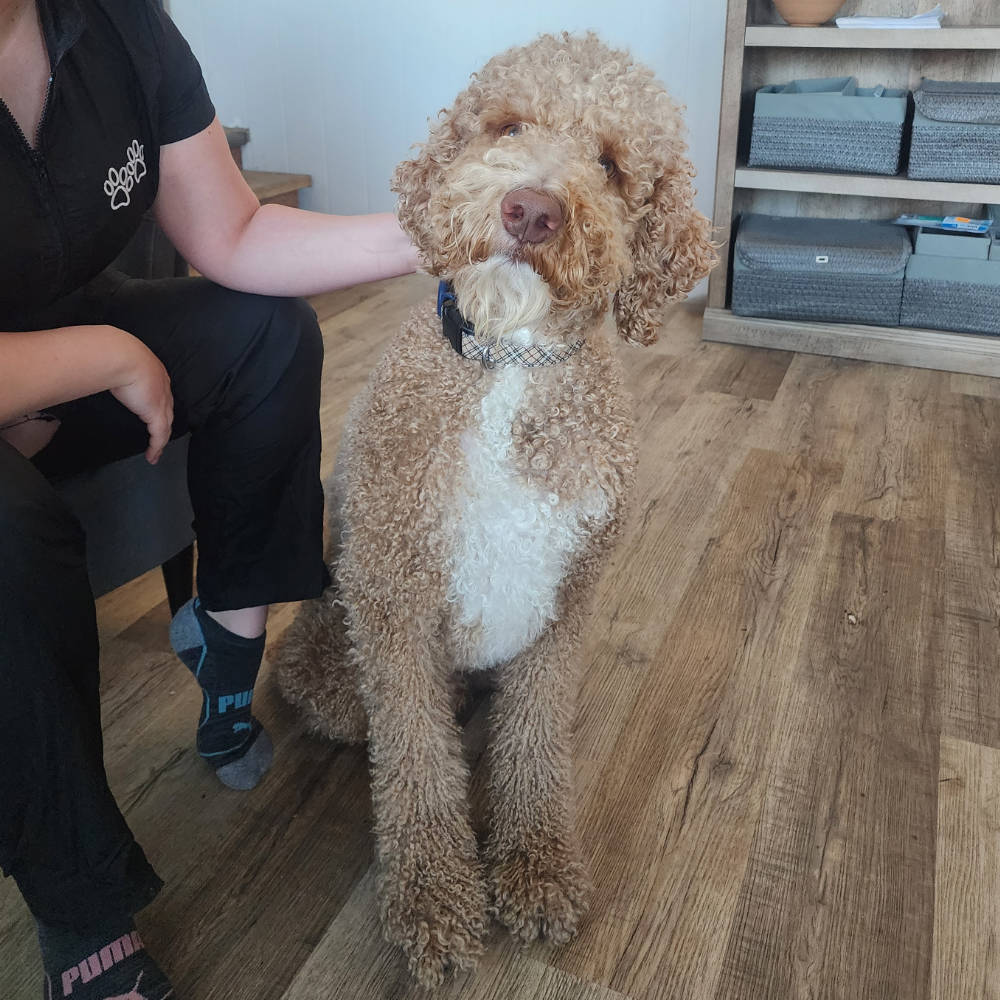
x=178 y=575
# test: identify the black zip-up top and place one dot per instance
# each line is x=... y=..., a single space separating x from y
x=124 y=82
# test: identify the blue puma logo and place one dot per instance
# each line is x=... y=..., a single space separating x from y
x=235 y=701
x=239 y=727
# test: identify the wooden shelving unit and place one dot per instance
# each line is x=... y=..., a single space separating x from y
x=755 y=179
x=762 y=50
x=968 y=353
x=781 y=36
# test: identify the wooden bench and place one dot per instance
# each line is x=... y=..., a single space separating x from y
x=271 y=187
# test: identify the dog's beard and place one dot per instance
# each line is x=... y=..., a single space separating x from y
x=499 y=296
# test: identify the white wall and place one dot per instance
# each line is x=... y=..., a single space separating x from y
x=342 y=90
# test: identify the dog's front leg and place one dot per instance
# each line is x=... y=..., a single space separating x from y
x=432 y=895
x=539 y=882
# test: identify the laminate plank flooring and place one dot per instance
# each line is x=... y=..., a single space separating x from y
x=970 y=681
x=787 y=728
x=967 y=877
x=687 y=763
x=840 y=885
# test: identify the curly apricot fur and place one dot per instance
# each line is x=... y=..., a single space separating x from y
x=636 y=235
x=387 y=643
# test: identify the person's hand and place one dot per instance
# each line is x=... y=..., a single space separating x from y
x=144 y=387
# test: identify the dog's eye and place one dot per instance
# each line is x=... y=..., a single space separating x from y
x=512 y=128
x=610 y=167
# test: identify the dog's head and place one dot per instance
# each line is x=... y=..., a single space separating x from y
x=557 y=180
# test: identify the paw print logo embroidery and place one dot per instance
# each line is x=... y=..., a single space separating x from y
x=121 y=180
x=117 y=187
x=136 y=165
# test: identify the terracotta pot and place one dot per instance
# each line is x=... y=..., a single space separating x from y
x=807 y=13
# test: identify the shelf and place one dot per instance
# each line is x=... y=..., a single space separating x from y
x=866 y=186
x=763 y=52
x=777 y=36
x=966 y=353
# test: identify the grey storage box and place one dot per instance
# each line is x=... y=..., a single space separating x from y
x=829 y=124
x=834 y=270
x=956 y=132
x=947 y=293
x=938 y=243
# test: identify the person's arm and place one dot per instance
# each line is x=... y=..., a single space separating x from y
x=42 y=368
x=213 y=218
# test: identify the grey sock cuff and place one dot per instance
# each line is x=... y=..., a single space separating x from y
x=185 y=629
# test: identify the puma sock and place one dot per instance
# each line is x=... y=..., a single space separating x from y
x=225 y=666
x=106 y=962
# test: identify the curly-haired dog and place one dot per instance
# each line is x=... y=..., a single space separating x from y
x=477 y=496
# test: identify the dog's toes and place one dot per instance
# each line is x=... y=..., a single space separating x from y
x=541 y=893
x=440 y=925
x=439 y=951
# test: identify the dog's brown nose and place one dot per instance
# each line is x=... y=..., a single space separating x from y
x=531 y=216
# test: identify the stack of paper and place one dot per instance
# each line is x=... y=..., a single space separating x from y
x=932 y=19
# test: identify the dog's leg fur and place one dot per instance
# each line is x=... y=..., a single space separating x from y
x=539 y=882
x=432 y=895
x=316 y=673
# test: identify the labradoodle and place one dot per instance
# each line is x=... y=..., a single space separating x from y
x=483 y=476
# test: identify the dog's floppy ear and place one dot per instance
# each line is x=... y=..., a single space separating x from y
x=416 y=180
x=671 y=252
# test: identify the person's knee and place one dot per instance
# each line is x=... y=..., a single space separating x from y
x=294 y=398
x=296 y=319
x=264 y=355
x=287 y=344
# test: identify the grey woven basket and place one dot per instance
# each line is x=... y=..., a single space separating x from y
x=832 y=270
x=949 y=101
x=956 y=132
x=943 y=293
x=828 y=124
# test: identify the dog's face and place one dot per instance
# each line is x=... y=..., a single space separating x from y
x=557 y=180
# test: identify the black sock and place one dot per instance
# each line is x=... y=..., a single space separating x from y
x=105 y=962
x=225 y=666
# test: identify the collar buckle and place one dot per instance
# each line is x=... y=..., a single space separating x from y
x=453 y=325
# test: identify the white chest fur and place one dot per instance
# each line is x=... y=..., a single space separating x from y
x=514 y=541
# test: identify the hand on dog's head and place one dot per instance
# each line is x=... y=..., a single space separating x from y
x=558 y=180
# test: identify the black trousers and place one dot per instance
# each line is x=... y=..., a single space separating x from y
x=245 y=374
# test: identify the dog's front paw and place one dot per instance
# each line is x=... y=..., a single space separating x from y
x=437 y=916
x=541 y=890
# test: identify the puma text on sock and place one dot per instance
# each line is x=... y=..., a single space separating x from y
x=225 y=666
x=103 y=963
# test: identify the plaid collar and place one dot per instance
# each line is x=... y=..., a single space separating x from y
x=461 y=335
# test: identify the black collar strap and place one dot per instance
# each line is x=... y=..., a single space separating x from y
x=461 y=335
x=453 y=323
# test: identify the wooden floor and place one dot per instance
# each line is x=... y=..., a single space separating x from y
x=788 y=734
